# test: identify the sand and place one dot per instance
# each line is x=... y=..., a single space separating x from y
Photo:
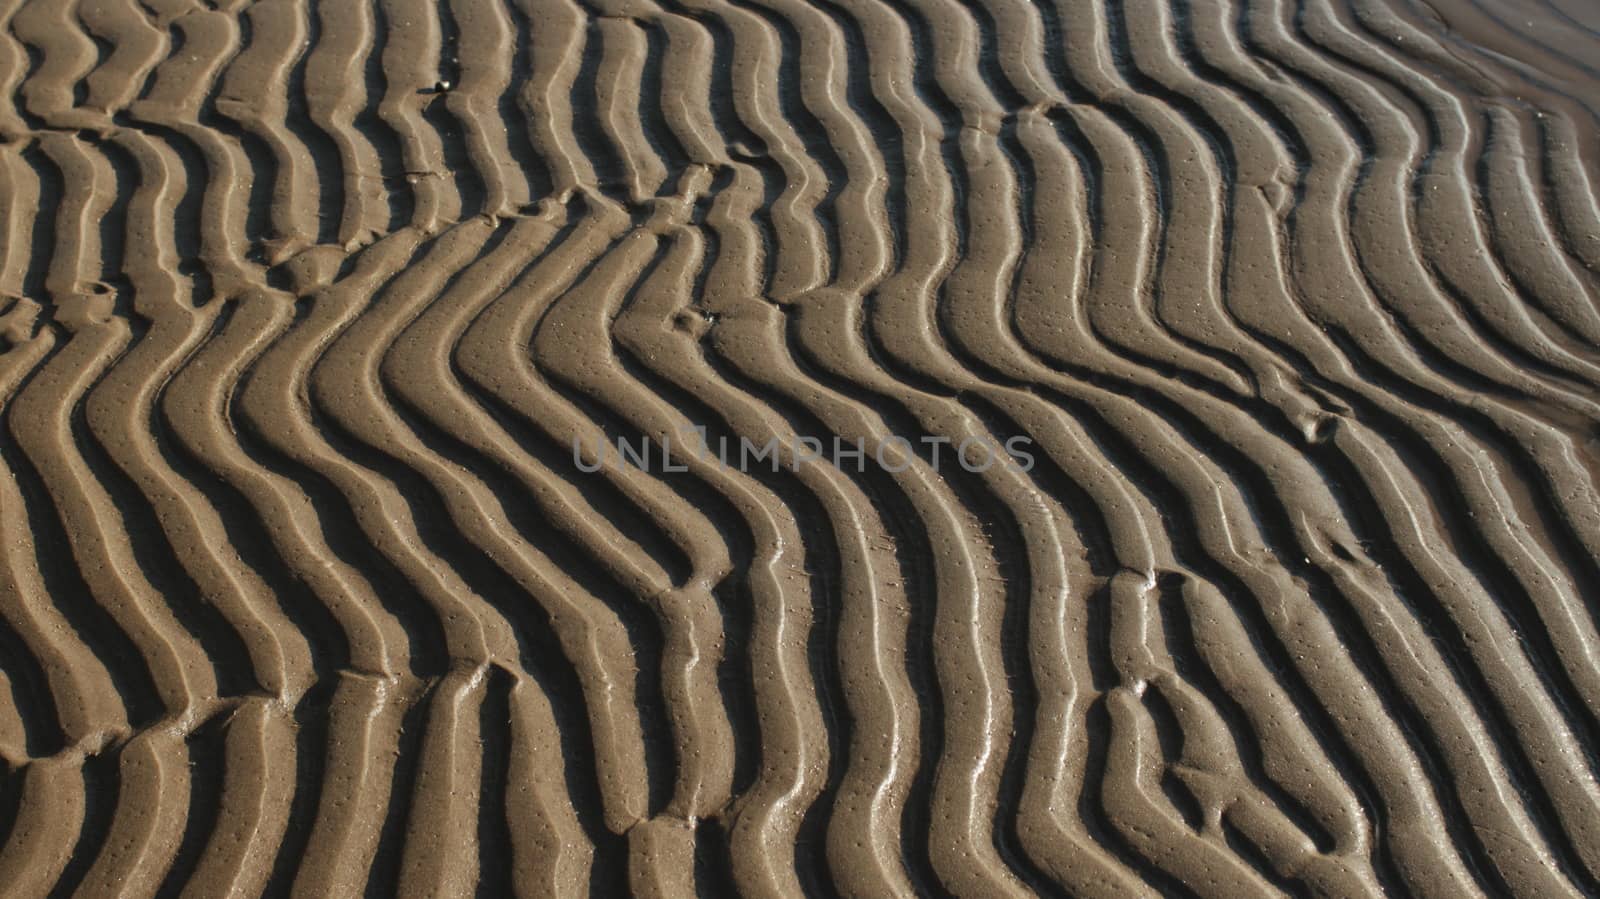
x=1292 y=306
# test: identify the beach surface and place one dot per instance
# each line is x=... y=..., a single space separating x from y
x=880 y=448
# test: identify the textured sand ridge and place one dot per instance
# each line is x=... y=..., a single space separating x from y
x=304 y=304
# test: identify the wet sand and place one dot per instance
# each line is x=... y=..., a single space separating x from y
x=1295 y=307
